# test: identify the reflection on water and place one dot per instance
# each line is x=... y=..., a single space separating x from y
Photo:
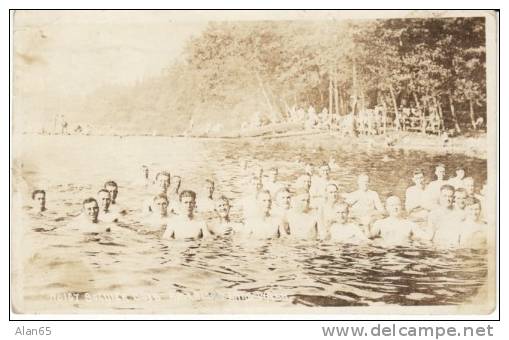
x=300 y=273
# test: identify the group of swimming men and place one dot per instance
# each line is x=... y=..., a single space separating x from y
x=444 y=212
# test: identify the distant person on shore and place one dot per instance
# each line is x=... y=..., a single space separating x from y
x=326 y=209
x=104 y=201
x=186 y=226
x=365 y=203
x=433 y=188
x=457 y=181
x=415 y=204
x=222 y=225
x=302 y=221
x=262 y=225
x=344 y=231
x=319 y=183
x=395 y=230
x=115 y=207
x=206 y=205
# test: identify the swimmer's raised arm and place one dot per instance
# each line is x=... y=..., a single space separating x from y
x=374 y=230
x=169 y=233
x=416 y=233
x=378 y=204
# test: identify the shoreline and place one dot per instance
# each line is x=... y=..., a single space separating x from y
x=471 y=146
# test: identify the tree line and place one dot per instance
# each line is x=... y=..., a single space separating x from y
x=234 y=69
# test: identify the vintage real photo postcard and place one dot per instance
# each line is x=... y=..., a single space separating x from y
x=253 y=162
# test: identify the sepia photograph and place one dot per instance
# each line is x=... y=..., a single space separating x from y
x=195 y=162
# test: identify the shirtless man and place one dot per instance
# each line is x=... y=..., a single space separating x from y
x=105 y=214
x=302 y=221
x=344 y=231
x=249 y=201
x=39 y=197
x=90 y=210
x=468 y=184
x=40 y=213
x=319 y=183
x=481 y=197
x=185 y=226
x=283 y=203
x=174 y=186
x=160 y=187
x=433 y=188
x=159 y=217
x=162 y=182
x=173 y=193
x=440 y=218
x=303 y=182
x=457 y=182
x=365 y=204
x=145 y=173
x=112 y=188
x=415 y=204
x=395 y=230
x=326 y=210
x=460 y=203
x=88 y=221
x=206 y=205
x=474 y=230
x=282 y=208
x=222 y=225
x=444 y=208
x=262 y=225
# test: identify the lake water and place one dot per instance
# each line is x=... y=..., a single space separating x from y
x=63 y=272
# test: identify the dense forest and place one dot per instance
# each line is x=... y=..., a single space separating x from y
x=236 y=69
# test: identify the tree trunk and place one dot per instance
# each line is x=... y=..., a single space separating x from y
x=384 y=116
x=417 y=102
x=321 y=96
x=472 y=114
x=341 y=103
x=336 y=92
x=269 y=104
x=330 y=93
x=395 y=104
x=453 y=114
x=441 y=116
